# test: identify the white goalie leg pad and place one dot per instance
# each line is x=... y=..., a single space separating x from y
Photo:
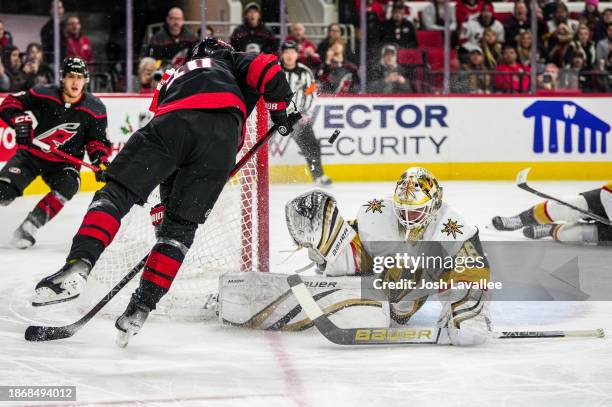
x=576 y=233
x=468 y=319
x=265 y=301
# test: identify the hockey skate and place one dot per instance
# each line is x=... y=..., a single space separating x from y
x=64 y=285
x=540 y=231
x=130 y=323
x=510 y=223
x=323 y=181
x=23 y=237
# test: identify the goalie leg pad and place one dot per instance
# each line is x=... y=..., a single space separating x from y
x=577 y=233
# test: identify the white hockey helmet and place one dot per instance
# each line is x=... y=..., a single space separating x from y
x=417 y=198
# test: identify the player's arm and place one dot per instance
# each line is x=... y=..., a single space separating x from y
x=13 y=112
x=315 y=223
x=310 y=89
x=97 y=144
x=263 y=74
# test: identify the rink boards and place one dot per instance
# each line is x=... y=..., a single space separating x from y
x=457 y=137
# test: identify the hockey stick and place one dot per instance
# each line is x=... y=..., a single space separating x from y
x=403 y=335
x=47 y=148
x=521 y=182
x=49 y=333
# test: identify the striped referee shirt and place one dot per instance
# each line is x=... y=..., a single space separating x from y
x=303 y=85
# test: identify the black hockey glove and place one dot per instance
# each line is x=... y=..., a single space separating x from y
x=100 y=160
x=23 y=130
x=279 y=118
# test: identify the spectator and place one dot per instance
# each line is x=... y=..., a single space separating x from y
x=511 y=76
x=12 y=68
x=559 y=44
x=399 y=30
x=77 y=44
x=433 y=16
x=473 y=30
x=5 y=83
x=518 y=23
x=573 y=76
x=374 y=7
x=337 y=74
x=388 y=76
x=254 y=33
x=148 y=76
x=44 y=72
x=491 y=48
x=583 y=45
x=600 y=31
x=605 y=45
x=210 y=31
x=523 y=49
x=474 y=76
x=307 y=52
x=549 y=80
x=561 y=16
x=5 y=37
x=46 y=35
x=465 y=9
x=590 y=15
x=172 y=39
x=334 y=34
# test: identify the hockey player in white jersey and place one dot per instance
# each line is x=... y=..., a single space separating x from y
x=414 y=213
x=562 y=223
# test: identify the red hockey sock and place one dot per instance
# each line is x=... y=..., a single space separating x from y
x=99 y=225
x=47 y=208
x=160 y=269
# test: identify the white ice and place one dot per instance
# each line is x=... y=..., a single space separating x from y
x=204 y=364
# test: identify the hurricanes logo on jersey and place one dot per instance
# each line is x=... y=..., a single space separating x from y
x=452 y=228
x=59 y=135
x=374 y=206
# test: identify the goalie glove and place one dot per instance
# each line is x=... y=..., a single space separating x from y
x=315 y=223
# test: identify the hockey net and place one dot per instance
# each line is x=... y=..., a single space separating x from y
x=234 y=238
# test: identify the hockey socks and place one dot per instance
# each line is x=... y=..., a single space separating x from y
x=46 y=209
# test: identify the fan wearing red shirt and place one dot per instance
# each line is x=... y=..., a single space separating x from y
x=517 y=79
x=77 y=44
x=466 y=8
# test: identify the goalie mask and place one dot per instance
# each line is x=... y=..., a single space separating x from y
x=417 y=198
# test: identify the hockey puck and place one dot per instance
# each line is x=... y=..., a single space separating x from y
x=334 y=136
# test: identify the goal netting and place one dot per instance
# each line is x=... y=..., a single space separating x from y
x=234 y=238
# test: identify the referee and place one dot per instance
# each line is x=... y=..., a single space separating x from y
x=303 y=86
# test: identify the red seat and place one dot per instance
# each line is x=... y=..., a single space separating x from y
x=410 y=57
x=435 y=59
x=432 y=39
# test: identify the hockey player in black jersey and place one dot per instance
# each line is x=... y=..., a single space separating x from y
x=189 y=149
x=302 y=83
x=71 y=120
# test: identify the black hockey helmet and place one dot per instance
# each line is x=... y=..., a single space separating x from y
x=289 y=45
x=74 y=65
x=208 y=47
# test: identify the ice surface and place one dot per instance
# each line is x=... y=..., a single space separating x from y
x=204 y=364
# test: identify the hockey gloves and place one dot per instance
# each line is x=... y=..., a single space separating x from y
x=279 y=118
x=23 y=129
x=100 y=160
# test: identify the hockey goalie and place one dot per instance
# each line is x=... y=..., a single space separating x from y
x=345 y=254
x=550 y=219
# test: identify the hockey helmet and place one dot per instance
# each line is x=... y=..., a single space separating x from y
x=417 y=198
x=208 y=47
x=74 y=65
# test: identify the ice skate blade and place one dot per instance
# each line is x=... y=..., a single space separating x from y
x=123 y=338
x=21 y=244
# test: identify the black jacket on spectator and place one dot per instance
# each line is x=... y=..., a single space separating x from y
x=338 y=78
x=16 y=77
x=165 y=46
x=377 y=83
x=404 y=34
x=348 y=52
x=261 y=35
x=513 y=28
x=46 y=40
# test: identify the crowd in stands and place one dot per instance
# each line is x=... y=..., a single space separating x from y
x=491 y=52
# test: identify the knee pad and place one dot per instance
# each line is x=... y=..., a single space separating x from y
x=67 y=183
x=176 y=229
x=8 y=193
x=117 y=199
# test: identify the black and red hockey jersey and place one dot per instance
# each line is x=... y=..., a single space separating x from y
x=72 y=128
x=234 y=82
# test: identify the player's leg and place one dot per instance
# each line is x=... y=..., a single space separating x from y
x=64 y=181
x=189 y=195
x=544 y=213
x=16 y=175
x=574 y=231
x=145 y=161
x=309 y=145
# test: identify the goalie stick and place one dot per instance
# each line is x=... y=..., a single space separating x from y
x=521 y=182
x=402 y=335
x=39 y=333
